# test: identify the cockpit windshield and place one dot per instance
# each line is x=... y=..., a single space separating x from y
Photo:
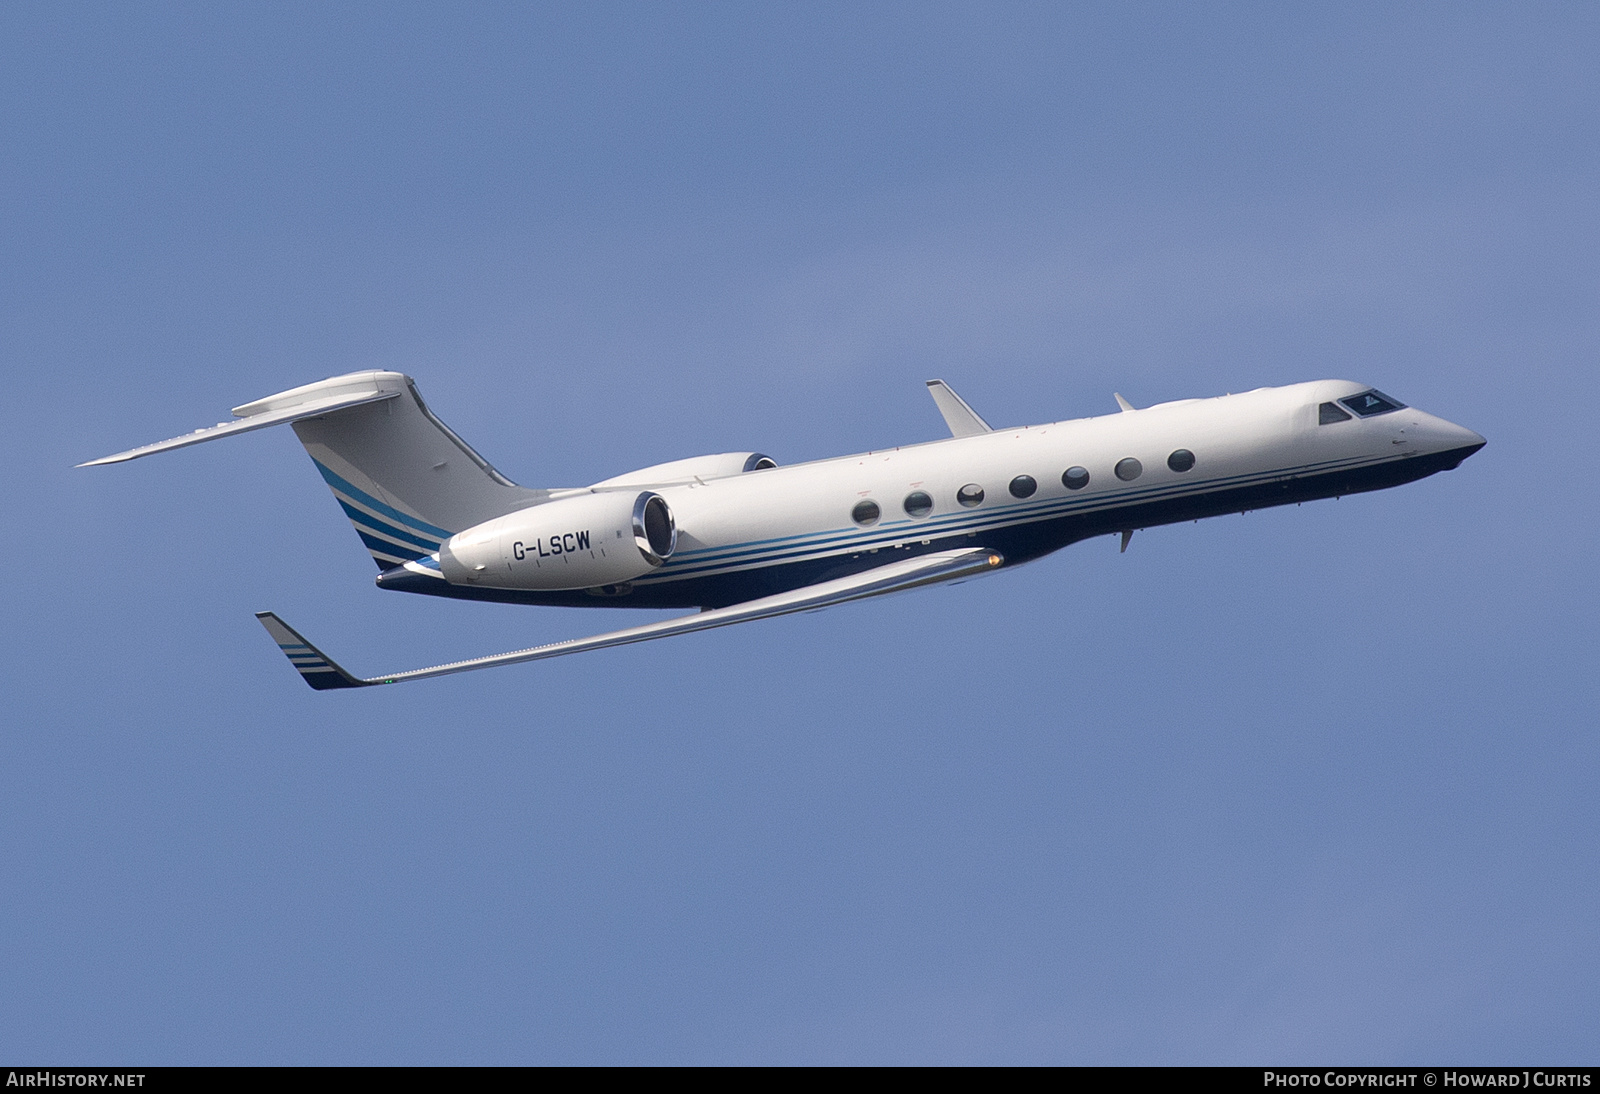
x=1370 y=403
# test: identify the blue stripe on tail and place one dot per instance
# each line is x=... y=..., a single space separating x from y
x=417 y=539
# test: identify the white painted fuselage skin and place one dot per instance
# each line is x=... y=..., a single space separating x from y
x=751 y=533
x=743 y=539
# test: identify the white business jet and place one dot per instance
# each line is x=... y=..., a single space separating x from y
x=741 y=538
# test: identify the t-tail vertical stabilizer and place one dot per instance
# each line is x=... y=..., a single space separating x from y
x=403 y=477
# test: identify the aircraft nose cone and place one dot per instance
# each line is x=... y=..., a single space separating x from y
x=1466 y=440
x=1451 y=440
x=1436 y=435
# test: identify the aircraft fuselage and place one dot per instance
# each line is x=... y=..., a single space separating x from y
x=1023 y=492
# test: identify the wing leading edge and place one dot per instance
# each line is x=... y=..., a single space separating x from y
x=324 y=674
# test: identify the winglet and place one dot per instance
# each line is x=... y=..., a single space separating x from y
x=961 y=418
x=1126 y=406
x=317 y=668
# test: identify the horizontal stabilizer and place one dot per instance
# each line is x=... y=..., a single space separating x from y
x=961 y=418
x=323 y=674
x=276 y=416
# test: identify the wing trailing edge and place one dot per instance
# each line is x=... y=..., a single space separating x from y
x=324 y=674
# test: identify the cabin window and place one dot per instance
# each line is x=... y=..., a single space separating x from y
x=1023 y=486
x=970 y=495
x=1328 y=413
x=1129 y=469
x=866 y=512
x=918 y=504
x=1369 y=403
x=1075 y=478
x=1181 y=460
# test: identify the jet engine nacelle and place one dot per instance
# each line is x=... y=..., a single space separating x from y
x=575 y=543
x=718 y=466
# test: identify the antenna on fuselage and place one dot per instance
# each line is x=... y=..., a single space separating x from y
x=1127 y=407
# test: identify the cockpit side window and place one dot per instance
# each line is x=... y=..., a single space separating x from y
x=1328 y=413
x=1369 y=403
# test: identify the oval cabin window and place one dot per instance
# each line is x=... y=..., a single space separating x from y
x=865 y=513
x=1129 y=469
x=1075 y=478
x=970 y=495
x=1181 y=460
x=918 y=504
x=1023 y=486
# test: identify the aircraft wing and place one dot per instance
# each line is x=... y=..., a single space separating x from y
x=961 y=418
x=323 y=673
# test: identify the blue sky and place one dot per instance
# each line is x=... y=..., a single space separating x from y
x=1304 y=785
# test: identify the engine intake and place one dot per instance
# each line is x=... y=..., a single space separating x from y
x=654 y=531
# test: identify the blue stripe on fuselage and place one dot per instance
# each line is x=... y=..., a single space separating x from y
x=755 y=553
